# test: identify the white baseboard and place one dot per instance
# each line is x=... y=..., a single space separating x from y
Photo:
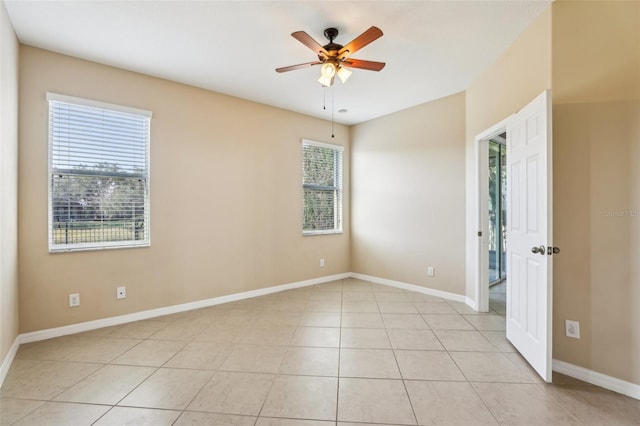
x=412 y=287
x=50 y=333
x=471 y=303
x=598 y=379
x=8 y=359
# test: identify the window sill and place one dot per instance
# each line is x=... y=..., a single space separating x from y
x=80 y=247
x=327 y=232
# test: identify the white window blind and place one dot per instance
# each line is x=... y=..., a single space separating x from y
x=322 y=188
x=98 y=175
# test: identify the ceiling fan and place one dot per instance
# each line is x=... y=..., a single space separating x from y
x=335 y=58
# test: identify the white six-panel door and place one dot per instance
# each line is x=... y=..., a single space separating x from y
x=529 y=229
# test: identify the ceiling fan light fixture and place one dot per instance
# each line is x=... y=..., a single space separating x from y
x=328 y=70
x=343 y=74
x=326 y=81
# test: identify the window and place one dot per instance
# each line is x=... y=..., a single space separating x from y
x=322 y=188
x=98 y=175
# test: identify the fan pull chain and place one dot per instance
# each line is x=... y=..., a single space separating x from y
x=332 y=110
x=324 y=98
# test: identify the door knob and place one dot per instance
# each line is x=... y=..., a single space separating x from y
x=541 y=250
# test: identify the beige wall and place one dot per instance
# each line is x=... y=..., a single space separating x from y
x=8 y=184
x=521 y=73
x=596 y=83
x=408 y=195
x=225 y=198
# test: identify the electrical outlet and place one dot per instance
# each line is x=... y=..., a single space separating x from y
x=572 y=328
x=121 y=293
x=430 y=271
x=322 y=262
x=74 y=300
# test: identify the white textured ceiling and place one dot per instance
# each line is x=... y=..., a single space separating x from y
x=432 y=48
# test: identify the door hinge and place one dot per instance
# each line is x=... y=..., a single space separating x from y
x=479 y=233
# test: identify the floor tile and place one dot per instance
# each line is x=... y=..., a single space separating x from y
x=167 y=388
x=324 y=306
x=434 y=308
x=257 y=359
x=354 y=284
x=269 y=335
x=330 y=286
x=325 y=337
x=302 y=397
x=153 y=353
x=362 y=320
x=490 y=367
x=179 y=331
x=391 y=296
x=278 y=318
x=108 y=385
x=267 y=421
x=12 y=409
x=524 y=367
x=499 y=340
x=448 y=403
x=34 y=379
x=362 y=424
x=118 y=416
x=77 y=348
x=383 y=288
x=192 y=418
x=63 y=413
x=374 y=401
x=414 y=339
x=201 y=355
x=359 y=296
x=397 y=308
x=310 y=361
x=330 y=296
x=463 y=340
x=364 y=338
x=138 y=329
x=487 y=322
x=595 y=406
x=368 y=363
x=222 y=334
x=360 y=307
x=319 y=319
x=408 y=321
x=203 y=349
x=428 y=365
x=463 y=308
x=522 y=404
x=233 y=393
x=421 y=298
x=447 y=322
x=286 y=306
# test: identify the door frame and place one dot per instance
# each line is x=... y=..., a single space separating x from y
x=479 y=258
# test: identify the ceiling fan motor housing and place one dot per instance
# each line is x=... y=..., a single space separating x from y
x=331 y=47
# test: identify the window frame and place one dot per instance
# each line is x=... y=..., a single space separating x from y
x=339 y=188
x=105 y=245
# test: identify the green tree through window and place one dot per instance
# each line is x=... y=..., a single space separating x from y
x=98 y=175
x=322 y=188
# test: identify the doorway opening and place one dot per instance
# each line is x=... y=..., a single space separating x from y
x=497 y=221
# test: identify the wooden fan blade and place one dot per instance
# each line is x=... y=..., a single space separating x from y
x=299 y=66
x=308 y=41
x=365 y=65
x=361 y=41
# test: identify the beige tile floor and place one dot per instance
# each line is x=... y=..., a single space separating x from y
x=342 y=353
